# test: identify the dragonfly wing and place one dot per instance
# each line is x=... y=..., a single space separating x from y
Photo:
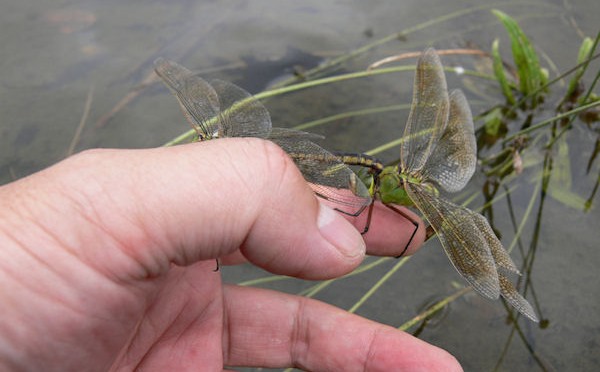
x=503 y=261
x=328 y=176
x=514 y=298
x=464 y=244
x=198 y=100
x=428 y=114
x=241 y=114
x=453 y=159
x=289 y=134
x=505 y=265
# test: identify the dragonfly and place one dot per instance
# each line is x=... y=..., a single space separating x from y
x=219 y=109
x=439 y=151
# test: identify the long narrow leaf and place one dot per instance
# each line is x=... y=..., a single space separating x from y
x=584 y=53
x=528 y=66
x=500 y=75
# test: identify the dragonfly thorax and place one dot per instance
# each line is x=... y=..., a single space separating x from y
x=391 y=187
x=393 y=182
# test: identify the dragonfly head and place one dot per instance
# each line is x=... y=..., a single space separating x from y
x=203 y=135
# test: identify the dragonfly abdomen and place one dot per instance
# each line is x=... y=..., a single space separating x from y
x=363 y=160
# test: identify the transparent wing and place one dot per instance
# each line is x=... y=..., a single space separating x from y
x=464 y=244
x=505 y=266
x=328 y=176
x=292 y=134
x=502 y=259
x=198 y=100
x=514 y=298
x=428 y=114
x=453 y=159
x=241 y=114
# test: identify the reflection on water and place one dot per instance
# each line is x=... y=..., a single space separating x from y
x=54 y=52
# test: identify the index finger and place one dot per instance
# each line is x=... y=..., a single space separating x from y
x=270 y=329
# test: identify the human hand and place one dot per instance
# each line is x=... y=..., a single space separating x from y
x=107 y=262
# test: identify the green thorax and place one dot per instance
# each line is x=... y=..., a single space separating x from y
x=392 y=183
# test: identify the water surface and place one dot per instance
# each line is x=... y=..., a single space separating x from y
x=55 y=53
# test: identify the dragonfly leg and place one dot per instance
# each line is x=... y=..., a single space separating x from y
x=429 y=232
x=218 y=265
x=415 y=223
x=369 y=214
x=357 y=213
x=351 y=214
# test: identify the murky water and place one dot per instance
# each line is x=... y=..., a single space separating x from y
x=54 y=54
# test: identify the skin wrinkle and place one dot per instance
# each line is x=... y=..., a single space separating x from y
x=281 y=255
x=276 y=156
x=146 y=222
x=198 y=320
x=278 y=163
x=133 y=219
x=227 y=335
x=60 y=306
x=158 y=265
x=370 y=349
x=75 y=308
x=124 y=246
x=128 y=349
x=85 y=208
x=275 y=159
x=8 y=331
x=236 y=209
x=300 y=336
x=72 y=306
x=146 y=324
x=29 y=217
x=151 y=348
x=226 y=174
x=50 y=268
x=117 y=246
x=237 y=172
x=174 y=325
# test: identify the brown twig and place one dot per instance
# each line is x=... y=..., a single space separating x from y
x=84 y=117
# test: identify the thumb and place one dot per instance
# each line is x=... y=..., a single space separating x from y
x=135 y=212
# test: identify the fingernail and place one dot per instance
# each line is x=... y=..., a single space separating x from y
x=340 y=233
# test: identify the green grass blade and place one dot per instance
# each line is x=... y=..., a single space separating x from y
x=584 y=53
x=551 y=120
x=528 y=66
x=500 y=75
x=377 y=285
x=433 y=309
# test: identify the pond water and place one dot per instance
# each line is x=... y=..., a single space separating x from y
x=58 y=54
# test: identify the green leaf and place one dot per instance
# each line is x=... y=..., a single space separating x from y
x=500 y=75
x=562 y=179
x=493 y=122
x=531 y=76
x=584 y=53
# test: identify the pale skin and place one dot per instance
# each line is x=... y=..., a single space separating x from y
x=107 y=263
